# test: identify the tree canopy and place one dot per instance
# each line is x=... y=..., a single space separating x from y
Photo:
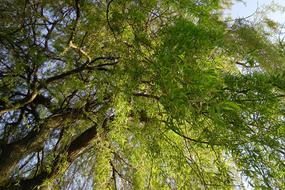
x=139 y=94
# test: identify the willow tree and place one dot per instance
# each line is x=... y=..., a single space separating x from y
x=140 y=94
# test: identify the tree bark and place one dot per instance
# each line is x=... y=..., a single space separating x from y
x=12 y=153
x=76 y=147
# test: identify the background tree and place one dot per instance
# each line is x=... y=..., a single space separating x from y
x=138 y=95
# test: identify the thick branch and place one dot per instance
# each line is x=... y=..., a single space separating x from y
x=77 y=70
x=80 y=143
x=12 y=153
x=77 y=146
x=20 y=103
x=86 y=66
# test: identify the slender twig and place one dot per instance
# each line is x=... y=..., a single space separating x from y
x=107 y=16
x=142 y=94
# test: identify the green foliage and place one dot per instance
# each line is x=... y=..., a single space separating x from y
x=184 y=116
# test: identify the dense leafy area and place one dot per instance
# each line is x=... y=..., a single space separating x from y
x=145 y=94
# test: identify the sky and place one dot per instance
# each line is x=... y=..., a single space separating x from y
x=249 y=7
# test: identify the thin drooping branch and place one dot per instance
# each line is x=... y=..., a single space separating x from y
x=77 y=12
x=107 y=15
x=116 y=172
x=184 y=136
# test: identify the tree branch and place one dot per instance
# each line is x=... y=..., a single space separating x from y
x=20 y=103
x=142 y=94
x=12 y=153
